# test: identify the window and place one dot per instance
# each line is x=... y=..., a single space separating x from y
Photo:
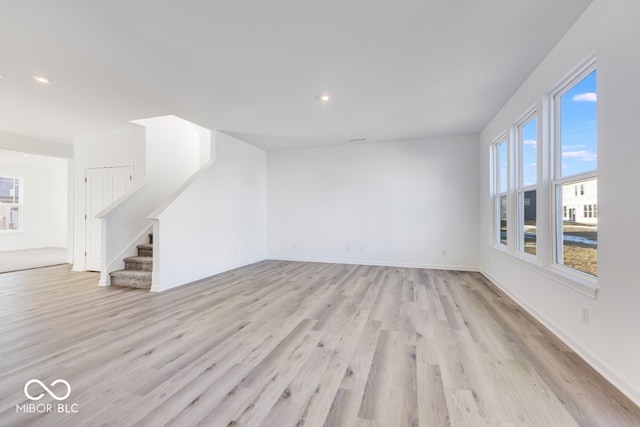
x=575 y=181
x=548 y=157
x=591 y=211
x=527 y=139
x=500 y=191
x=10 y=204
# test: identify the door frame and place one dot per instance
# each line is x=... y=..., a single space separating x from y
x=85 y=200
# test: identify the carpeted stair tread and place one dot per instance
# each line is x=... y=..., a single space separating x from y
x=137 y=272
x=144 y=263
x=131 y=279
x=145 y=250
x=139 y=258
x=131 y=273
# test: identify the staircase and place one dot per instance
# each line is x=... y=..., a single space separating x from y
x=137 y=269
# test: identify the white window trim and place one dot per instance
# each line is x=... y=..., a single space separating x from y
x=20 y=206
x=556 y=228
x=548 y=207
x=496 y=194
x=559 y=276
x=532 y=113
x=577 y=277
x=555 y=95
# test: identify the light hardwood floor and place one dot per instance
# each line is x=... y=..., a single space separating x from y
x=291 y=344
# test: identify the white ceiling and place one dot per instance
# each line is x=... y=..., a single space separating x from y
x=396 y=69
x=22 y=159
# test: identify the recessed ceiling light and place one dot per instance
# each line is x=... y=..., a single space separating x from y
x=358 y=140
x=26 y=155
x=41 y=79
x=324 y=97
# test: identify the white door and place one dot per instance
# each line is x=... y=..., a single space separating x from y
x=102 y=187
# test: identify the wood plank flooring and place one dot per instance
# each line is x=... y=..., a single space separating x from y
x=290 y=344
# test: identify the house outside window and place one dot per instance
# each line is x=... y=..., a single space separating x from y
x=10 y=204
x=526 y=182
x=575 y=180
x=500 y=190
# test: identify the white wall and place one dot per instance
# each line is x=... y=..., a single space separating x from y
x=25 y=144
x=610 y=340
x=59 y=207
x=218 y=222
x=394 y=203
x=116 y=148
x=44 y=207
x=173 y=151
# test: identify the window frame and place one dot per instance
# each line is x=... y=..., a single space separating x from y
x=497 y=193
x=521 y=188
x=557 y=180
x=19 y=205
x=550 y=209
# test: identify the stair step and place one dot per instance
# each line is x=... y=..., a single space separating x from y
x=145 y=250
x=131 y=279
x=142 y=263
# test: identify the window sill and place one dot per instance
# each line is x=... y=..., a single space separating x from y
x=585 y=286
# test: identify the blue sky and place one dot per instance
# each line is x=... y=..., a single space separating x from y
x=578 y=108
x=529 y=152
x=579 y=127
x=578 y=133
x=502 y=177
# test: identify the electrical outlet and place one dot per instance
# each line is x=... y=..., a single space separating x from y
x=585 y=314
x=444 y=252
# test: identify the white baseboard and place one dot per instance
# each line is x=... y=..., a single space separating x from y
x=602 y=368
x=380 y=264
